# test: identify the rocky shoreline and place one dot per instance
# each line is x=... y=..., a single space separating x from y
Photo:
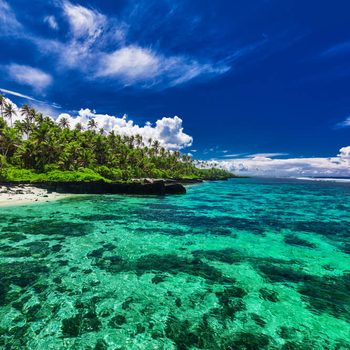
x=49 y=190
x=12 y=193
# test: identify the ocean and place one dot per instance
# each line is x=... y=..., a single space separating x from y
x=238 y=264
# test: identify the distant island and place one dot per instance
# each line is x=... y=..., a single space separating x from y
x=39 y=150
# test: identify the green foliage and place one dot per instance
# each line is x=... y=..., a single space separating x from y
x=26 y=175
x=39 y=149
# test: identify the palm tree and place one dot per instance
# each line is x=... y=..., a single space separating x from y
x=78 y=127
x=39 y=118
x=2 y=104
x=25 y=111
x=92 y=124
x=9 y=141
x=156 y=145
x=63 y=123
x=9 y=112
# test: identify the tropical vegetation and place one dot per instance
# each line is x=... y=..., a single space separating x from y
x=39 y=149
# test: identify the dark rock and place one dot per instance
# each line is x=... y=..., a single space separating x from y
x=156 y=187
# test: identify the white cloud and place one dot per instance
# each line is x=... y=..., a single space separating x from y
x=87 y=49
x=51 y=21
x=8 y=20
x=344 y=153
x=266 y=155
x=232 y=155
x=344 y=124
x=290 y=167
x=129 y=63
x=135 y=64
x=30 y=76
x=168 y=131
x=83 y=21
x=17 y=94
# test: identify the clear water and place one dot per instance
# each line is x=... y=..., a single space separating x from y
x=242 y=264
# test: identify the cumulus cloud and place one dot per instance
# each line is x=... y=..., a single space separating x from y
x=168 y=131
x=51 y=21
x=344 y=153
x=48 y=109
x=33 y=77
x=290 y=167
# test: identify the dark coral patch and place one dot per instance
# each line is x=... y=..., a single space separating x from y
x=174 y=264
x=328 y=294
x=228 y=255
x=277 y=273
x=297 y=241
x=330 y=229
x=52 y=228
x=117 y=321
x=22 y=274
x=258 y=320
x=71 y=326
x=250 y=341
x=323 y=294
x=13 y=236
x=269 y=295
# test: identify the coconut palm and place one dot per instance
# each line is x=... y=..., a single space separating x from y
x=9 y=112
x=92 y=124
x=63 y=123
x=2 y=104
x=78 y=127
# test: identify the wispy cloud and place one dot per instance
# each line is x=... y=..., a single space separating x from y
x=8 y=20
x=344 y=124
x=18 y=94
x=342 y=48
x=48 y=108
x=51 y=21
x=84 y=22
x=266 y=155
x=134 y=64
x=233 y=155
x=90 y=37
x=30 y=76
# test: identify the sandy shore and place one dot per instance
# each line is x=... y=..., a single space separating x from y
x=25 y=194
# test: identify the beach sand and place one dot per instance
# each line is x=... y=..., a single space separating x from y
x=25 y=194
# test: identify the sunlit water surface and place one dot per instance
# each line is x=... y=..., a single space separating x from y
x=242 y=264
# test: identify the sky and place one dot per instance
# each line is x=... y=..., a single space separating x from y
x=261 y=86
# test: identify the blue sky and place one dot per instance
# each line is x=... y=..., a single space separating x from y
x=247 y=78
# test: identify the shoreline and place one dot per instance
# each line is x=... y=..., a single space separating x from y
x=18 y=193
x=14 y=195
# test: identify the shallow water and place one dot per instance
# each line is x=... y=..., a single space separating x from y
x=242 y=264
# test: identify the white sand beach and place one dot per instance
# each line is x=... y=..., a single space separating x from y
x=25 y=194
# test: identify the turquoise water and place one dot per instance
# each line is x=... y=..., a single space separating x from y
x=242 y=264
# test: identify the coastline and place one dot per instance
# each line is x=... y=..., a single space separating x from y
x=26 y=194
x=18 y=193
